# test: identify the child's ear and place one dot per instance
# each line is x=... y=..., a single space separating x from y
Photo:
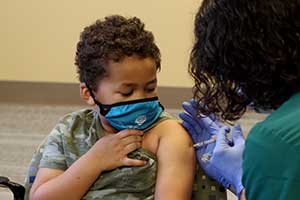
x=85 y=94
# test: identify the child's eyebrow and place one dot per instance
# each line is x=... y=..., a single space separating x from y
x=151 y=82
x=132 y=84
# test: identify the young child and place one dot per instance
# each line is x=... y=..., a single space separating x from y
x=126 y=148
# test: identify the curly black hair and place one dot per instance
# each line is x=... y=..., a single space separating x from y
x=245 y=51
x=112 y=39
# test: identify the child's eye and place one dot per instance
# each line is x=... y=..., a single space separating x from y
x=150 y=89
x=126 y=94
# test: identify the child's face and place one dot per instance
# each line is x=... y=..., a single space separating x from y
x=132 y=78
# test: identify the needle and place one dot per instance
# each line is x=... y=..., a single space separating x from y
x=206 y=142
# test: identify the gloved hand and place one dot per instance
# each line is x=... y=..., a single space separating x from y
x=221 y=160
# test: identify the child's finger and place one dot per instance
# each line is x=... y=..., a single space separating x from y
x=131 y=139
x=128 y=132
x=131 y=147
x=133 y=162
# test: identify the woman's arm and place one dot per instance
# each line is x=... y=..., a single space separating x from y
x=226 y=157
x=176 y=163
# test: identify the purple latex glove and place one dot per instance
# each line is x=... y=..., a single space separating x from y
x=224 y=163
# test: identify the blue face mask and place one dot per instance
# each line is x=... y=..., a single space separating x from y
x=136 y=114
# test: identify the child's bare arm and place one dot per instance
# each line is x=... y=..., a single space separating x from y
x=176 y=163
x=108 y=153
x=70 y=184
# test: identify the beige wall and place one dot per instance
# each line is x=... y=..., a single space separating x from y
x=38 y=37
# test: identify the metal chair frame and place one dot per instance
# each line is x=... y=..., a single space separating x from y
x=17 y=189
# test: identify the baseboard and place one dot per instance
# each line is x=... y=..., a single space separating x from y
x=68 y=93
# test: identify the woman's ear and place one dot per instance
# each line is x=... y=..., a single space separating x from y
x=85 y=94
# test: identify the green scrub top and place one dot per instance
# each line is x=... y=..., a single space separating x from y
x=271 y=160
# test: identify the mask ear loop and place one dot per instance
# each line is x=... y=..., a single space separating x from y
x=163 y=108
x=104 y=109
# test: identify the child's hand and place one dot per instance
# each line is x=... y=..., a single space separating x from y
x=111 y=150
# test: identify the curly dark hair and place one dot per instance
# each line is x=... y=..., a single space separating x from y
x=112 y=39
x=245 y=51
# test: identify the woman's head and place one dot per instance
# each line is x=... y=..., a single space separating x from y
x=110 y=41
x=245 y=51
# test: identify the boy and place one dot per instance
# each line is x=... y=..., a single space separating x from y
x=127 y=148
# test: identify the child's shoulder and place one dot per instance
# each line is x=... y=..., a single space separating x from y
x=170 y=126
x=75 y=121
x=165 y=117
x=82 y=115
x=172 y=137
x=166 y=130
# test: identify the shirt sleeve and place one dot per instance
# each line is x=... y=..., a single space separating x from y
x=53 y=155
x=270 y=167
